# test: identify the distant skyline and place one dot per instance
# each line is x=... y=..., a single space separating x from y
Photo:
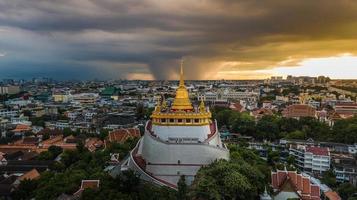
x=145 y=39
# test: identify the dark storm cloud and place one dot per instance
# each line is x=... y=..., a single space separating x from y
x=157 y=34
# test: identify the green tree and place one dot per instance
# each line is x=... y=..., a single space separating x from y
x=38 y=121
x=65 y=177
x=243 y=123
x=55 y=150
x=205 y=188
x=289 y=124
x=235 y=179
x=273 y=157
x=268 y=128
x=46 y=136
x=346 y=190
x=46 y=155
x=103 y=134
x=291 y=160
x=67 y=132
x=296 y=135
x=69 y=157
x=344 y=131
x=223 y=117
x=182 y=188
x=329 y=178
x=25 y=190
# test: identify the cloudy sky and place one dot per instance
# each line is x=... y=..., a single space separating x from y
x=145 y=39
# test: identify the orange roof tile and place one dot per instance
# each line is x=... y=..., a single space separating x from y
x=301 y=184
x=121 y=135
x=31 y=175
x=93 y=184
x=22 y=127
x=134 y=132
x=93 y=143
x=332 y=195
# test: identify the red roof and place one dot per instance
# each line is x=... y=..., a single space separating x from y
x=331 y=195
x=301 y=184
x=118 y=136
x=33 y=174
x=21 y=128
x=262 y=111
x=236 y=107
x=123 y=134
x=93 y=184
x=318 y=151
x=346 y=104
x=93 y=143
x=299 y=110
x=134 y=132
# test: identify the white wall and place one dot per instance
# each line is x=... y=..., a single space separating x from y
x=164 y=132
x=155 y=151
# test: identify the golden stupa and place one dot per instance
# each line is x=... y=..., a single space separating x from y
x=182 y=99
x=181 y=112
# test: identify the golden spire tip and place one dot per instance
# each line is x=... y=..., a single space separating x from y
x=182 y=82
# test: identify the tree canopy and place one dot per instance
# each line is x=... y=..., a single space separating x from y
x=243 y=177
x=273 y=127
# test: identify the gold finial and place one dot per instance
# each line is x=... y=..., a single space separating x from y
x=158 y=107
x=182 y=99
x=202 y=106
x=164 y=104
x=182 y=82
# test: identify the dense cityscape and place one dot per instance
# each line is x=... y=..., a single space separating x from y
x=178 y=100
x=286 y=138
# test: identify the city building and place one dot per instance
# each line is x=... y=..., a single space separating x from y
x=299 y=110
x=311 y=159
x=178 y=140
x=85 y=98
x=293 y=185
x=346 y=109
x=8 y=113
x=345 y=169
x=61 y=96
x=110 y=93
x=228 y=95
x=9 y=89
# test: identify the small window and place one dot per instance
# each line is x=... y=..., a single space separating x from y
x=163 y=120
x=172 y=120
x=197 y=120
x=179 y=120
x=188 y=120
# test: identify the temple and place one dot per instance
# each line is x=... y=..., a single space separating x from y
x=178 y=140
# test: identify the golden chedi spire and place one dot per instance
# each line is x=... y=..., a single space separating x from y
x=182 y=100
x=158 y=106
x=182 y=81
x=202 y=106
x=164 y=104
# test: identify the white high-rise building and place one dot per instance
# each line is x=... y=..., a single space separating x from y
x=311 y=159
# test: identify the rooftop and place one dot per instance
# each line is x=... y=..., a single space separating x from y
x=318 y=151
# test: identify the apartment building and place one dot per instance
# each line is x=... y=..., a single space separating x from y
x=9 y=89
x=228 y=95
x=311 y=159
x=8 y=113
